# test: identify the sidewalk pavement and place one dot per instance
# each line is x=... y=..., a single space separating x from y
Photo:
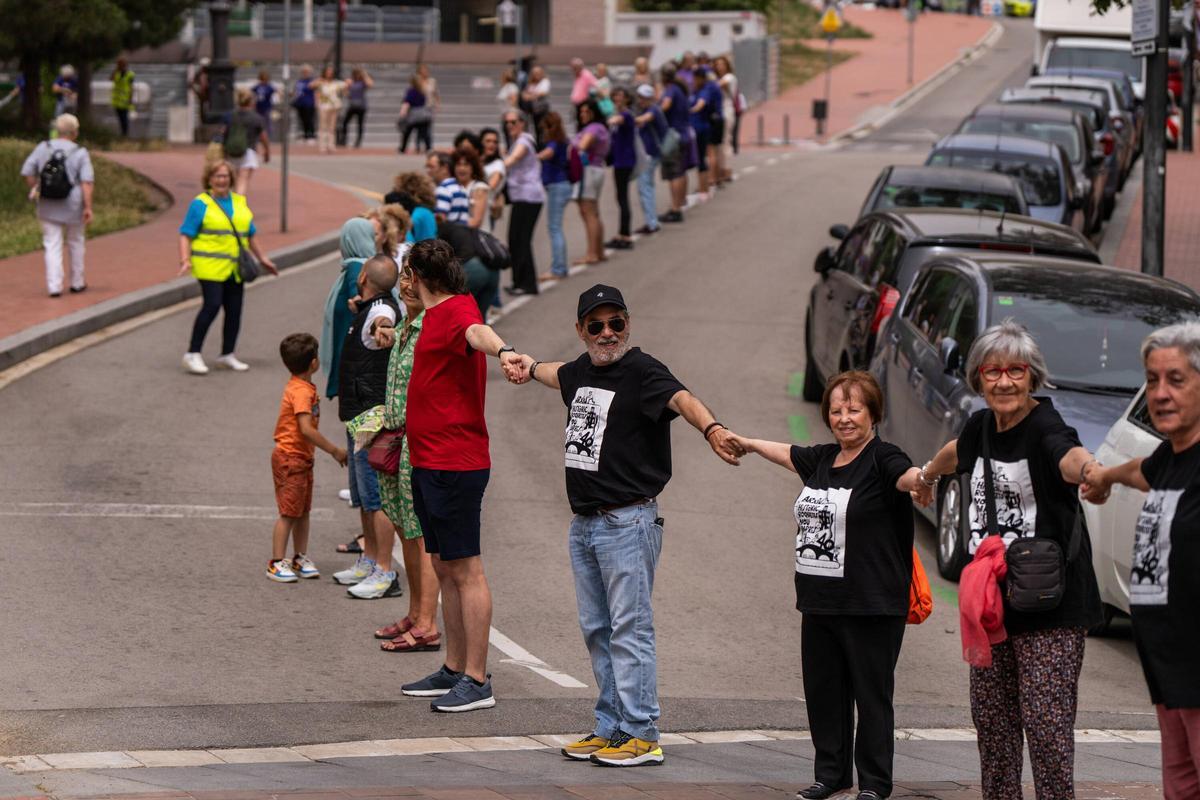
x=147 y=256
x=865 y=86
x=1182 y=236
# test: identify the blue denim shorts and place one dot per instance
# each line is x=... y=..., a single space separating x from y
x=364 y=483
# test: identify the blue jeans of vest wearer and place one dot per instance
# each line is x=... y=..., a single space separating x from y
x=557 y=197
x=645 y=183
x=614 y=555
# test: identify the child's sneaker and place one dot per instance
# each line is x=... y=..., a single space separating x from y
x=303 y=566
x=361 y=569
x=281 y=571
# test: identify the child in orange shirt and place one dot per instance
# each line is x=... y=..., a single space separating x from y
x=296 y=437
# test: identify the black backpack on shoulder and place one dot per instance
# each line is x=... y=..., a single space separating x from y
x=490 y=250
x=54 y=181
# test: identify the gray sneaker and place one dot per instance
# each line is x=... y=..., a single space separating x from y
x=466 y=696
x=434 y=685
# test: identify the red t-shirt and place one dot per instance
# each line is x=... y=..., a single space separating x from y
x=445 y=423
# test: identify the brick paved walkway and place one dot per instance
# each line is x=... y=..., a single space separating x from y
x=876 y=76
x=944 y=790
x=139 y=257
x=1182 y=238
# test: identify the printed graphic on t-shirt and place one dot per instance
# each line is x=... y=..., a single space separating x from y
x=821 y=531
x=1016 y=508
x=1148 y=576
x=586 y=422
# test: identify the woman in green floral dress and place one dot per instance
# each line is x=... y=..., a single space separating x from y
x=417 y=631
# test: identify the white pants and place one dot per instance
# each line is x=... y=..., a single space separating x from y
x=52 y=240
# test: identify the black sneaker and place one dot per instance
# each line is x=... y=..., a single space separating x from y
x=78 y=289
x=671 y=216
x=434 y=685
x=646 y=230
x=818 y=791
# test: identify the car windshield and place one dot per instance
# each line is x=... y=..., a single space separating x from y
x=1038 y=177
x=1089 y=330
x=898 y=195
x=1063 y=134
x=1096 y=115
x=1102 y=58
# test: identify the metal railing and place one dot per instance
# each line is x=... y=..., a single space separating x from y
x=363 y=23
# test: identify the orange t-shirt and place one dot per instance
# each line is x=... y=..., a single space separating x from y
x=299 y=397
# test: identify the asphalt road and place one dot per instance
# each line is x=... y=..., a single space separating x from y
x=136 y=506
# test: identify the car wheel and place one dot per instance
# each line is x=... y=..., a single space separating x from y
x=951 y=528
x=814 y=387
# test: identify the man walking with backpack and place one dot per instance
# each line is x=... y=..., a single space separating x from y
x=60 y=179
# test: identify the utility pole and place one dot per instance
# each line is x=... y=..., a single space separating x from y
x=1149 y=39
x=911 y=11
x=220 y=71
x=284 y=134
x=1186 y=139
x=337 y=40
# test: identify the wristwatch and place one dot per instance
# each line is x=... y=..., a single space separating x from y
x=506 y=349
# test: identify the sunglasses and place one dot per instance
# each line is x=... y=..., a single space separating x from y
x=596 y=326
x=992 y=372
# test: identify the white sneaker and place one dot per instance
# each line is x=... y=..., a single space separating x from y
x=344 y=494
x=303 y=566
x=361 y=569
x=281 y=571
x=194 y=363
x=231 y=362
x=376 y=585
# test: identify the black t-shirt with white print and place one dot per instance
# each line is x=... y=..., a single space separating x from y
x=854 y=531
x=1164 y=595
x=618 y=437
x=1032 y=499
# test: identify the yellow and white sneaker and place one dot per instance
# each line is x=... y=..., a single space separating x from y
x=583 y=749
x=628 y=751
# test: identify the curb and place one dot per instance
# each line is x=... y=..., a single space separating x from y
x=46 y=335
x=985 y=43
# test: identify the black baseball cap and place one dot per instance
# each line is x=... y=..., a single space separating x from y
x=600 y=295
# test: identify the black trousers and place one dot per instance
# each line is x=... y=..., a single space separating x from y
x=308 y=121
x=622 y=175
x=521 y=222
x=850 y=662
x=424 y=136
x=123 y=120
x=361 y=114
x=217 y=295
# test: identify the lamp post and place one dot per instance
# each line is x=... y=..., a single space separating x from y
x=220 y=71
x=287 y=116
x=508 y=15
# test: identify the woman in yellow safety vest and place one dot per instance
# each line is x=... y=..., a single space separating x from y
x=122 y=94
x=208 y=248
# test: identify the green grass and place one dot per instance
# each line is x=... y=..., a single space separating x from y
x=122 y=199
x=800 y=63
x=796 y=19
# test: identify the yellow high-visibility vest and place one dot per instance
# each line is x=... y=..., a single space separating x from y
x=122 y=90
x=215 y=249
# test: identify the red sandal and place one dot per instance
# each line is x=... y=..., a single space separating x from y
x=395 y=629
x=413 y=641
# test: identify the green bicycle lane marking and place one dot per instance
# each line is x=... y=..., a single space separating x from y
x=797 y=423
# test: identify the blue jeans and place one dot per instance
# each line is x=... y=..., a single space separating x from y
x=364 y=483
x=614 y=555
x=557 y=197
x=645 y=183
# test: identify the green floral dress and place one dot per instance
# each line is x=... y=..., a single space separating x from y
x=396 y=490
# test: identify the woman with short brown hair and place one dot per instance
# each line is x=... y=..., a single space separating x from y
x=854 y=562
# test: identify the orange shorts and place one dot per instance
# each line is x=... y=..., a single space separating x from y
x=293 y=483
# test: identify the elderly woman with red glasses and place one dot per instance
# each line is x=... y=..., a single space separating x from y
x=1036 y=463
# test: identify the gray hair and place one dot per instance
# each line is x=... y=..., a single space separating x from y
x=1012 y=339
x=1183 y=335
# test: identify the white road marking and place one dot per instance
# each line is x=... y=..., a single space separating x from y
x=149 y=511
x=746 y=170
x=772 y=161
x=140 y=759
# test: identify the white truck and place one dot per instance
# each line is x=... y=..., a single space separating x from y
x=1071 y=34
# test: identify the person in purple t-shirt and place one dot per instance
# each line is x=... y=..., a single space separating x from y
x=623 y=154
x=592 y=142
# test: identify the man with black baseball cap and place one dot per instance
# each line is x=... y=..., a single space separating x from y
x=620 y=405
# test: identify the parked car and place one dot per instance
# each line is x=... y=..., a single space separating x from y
x=1123 y=115
x=1043 y=169
x=867 y=275
x=1095 y=51
x=1129 y=97
x=1112 y=525
x=1117 y=147
x=1088 y=319
x=943 y=187
x=1063 y=126
x=1019 y=8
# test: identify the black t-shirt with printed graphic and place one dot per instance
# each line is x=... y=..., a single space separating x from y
x=1164 y=595
x=854 y=531
x=1032 y=499
x=618 y=436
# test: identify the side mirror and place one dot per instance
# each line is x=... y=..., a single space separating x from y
x=824 y=261
x=951 y=358
x=839 y=231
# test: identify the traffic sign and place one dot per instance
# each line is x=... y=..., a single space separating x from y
x=831 y=23
x=1144 y=34
x=506 y=13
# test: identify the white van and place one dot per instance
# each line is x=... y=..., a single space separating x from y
x=1083 y=38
